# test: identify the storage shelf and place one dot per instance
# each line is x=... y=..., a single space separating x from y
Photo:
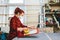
x=51 y=13
x=54 y=4
x=51 y=24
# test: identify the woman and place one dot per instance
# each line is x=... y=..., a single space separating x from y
x=15 y=24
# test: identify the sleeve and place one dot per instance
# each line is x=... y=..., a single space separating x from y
x=13 y=24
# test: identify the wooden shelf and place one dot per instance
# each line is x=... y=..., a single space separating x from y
x=54 y=4
x=51 y=13
x=51 y=24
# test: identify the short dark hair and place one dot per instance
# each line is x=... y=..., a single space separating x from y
x=18 y=10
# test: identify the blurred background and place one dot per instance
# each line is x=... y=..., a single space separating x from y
x=44 y=14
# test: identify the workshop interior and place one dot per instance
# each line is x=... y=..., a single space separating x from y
x=42 y=14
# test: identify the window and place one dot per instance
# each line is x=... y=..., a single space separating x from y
x=6 y=11
x=15 y=1
x=12 y=8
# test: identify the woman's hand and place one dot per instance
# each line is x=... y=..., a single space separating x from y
x=20 y=29
x=31 y=27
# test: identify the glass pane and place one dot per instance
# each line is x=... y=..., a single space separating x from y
x=3 y=1
x=5 y=28
x=5 y=19
x=1 y=10
x=15 y=1
x=12 y=8
x=1 y=19
x=11 y=11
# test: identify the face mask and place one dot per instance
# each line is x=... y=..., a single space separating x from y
x=21 y=18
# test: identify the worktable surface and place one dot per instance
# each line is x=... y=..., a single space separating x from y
x=42 y=36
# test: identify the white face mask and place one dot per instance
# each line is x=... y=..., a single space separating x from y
x=21 y=18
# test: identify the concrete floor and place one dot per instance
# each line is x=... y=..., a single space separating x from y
x=42 y=36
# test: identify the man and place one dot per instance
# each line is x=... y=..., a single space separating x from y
x=15 y=24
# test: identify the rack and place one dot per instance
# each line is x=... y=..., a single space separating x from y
x=54 y=4
x=51 y=14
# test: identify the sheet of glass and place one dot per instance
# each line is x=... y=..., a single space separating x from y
x=15 y=1
x=1 y=19
x=1 y=10
x=12 y=8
